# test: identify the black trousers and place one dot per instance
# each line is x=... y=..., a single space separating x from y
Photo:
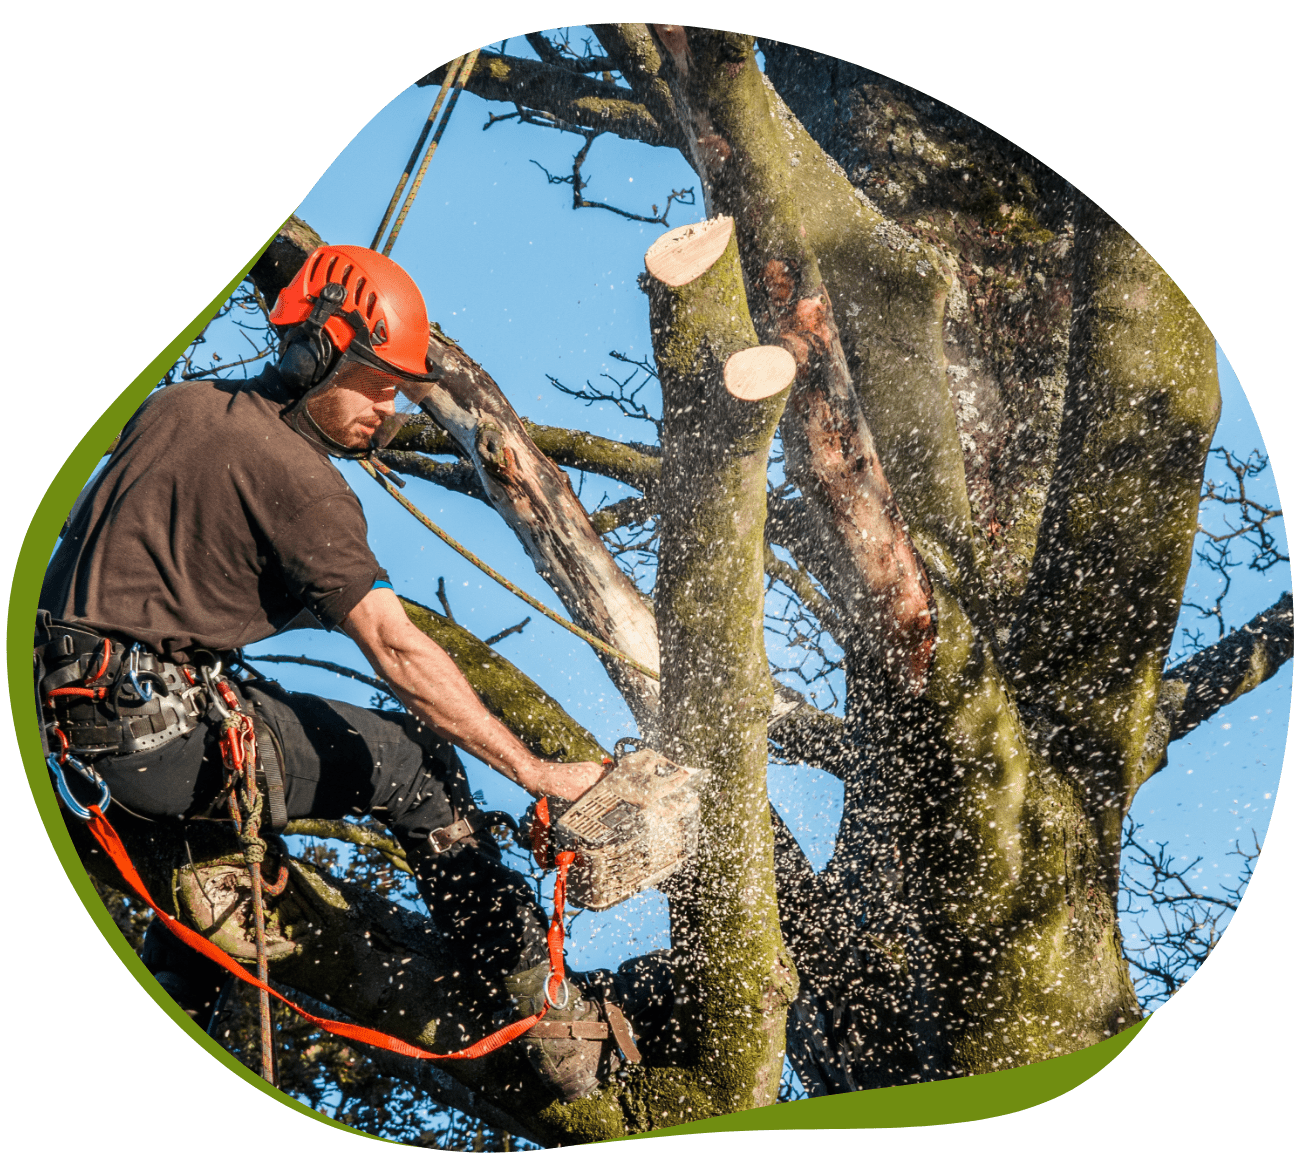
x=347 y=760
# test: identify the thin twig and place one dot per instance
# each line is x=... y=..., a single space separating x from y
x=502 y=634
x=334 y=667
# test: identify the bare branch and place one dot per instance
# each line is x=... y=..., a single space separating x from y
x=1249 y=526
x=633 y=463
x=578 y=183
x=799 y=581
x=623 y=395
x=567 y=95
x=1191 y=919
x=1232 y=667
x=460 y=477
x=562 y=55
x=333 y=667
x=443 y=596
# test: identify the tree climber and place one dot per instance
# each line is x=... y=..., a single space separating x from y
x=218 y=521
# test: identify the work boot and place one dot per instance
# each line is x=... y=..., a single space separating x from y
x=569 y=1046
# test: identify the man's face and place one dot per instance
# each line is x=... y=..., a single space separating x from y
x=352 y=409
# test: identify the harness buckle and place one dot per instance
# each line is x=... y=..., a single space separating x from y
x=146 y=692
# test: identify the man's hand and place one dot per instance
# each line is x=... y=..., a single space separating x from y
x=561 y=780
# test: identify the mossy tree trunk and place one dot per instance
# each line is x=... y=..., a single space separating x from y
x=717 y=695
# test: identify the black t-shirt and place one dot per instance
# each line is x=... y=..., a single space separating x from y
x=213 y=525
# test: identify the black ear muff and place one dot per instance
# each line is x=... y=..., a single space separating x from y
x=299 y=365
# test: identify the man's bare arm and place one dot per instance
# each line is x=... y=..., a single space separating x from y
x=427 y=681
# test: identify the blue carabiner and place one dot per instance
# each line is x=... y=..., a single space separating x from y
x=61 y=785
x=146 y=692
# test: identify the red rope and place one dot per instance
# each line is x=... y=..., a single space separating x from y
x=107 y=837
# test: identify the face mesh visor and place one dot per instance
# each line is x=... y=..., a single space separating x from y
x=407 y=401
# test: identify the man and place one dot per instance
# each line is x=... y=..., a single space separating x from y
x=220 y=520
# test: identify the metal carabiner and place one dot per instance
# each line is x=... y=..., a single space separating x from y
x=210 y=674
x=65 y=793
x=146 y=692
x=565 y=989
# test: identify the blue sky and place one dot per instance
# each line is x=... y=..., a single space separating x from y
x=531 y=288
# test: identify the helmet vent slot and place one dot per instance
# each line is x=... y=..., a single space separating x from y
x=344 y=277
x=312 y=273
x=358 y=288
x=371 y=304
x=330 y=269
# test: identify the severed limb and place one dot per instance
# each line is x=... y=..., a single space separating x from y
x=537 y=502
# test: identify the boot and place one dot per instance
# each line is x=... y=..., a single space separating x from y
x=568 y=1047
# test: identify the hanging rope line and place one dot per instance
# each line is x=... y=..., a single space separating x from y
x=468 y=62
x=592 y=639
x=416 y=152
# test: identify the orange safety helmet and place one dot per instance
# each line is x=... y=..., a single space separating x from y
x=384 y=302
x=346 y=304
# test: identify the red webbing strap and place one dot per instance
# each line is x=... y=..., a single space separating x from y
x=107 y=837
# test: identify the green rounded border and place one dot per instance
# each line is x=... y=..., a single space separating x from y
x=1132 y=110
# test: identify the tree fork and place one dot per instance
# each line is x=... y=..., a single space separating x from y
x=723 y=397
x=745 y=163
x=1101 y=605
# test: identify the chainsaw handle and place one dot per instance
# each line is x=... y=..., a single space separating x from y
x=634 y=744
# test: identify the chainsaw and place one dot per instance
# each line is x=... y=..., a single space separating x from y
x=631 y=830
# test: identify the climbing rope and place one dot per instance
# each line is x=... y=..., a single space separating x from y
x=592 y=639
x=416 y=152
x=464 y=74
x=239 y=749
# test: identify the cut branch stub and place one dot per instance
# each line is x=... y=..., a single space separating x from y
x=685 y=254
x=755 y=374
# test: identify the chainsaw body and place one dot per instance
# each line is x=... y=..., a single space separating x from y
x=632 y=829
